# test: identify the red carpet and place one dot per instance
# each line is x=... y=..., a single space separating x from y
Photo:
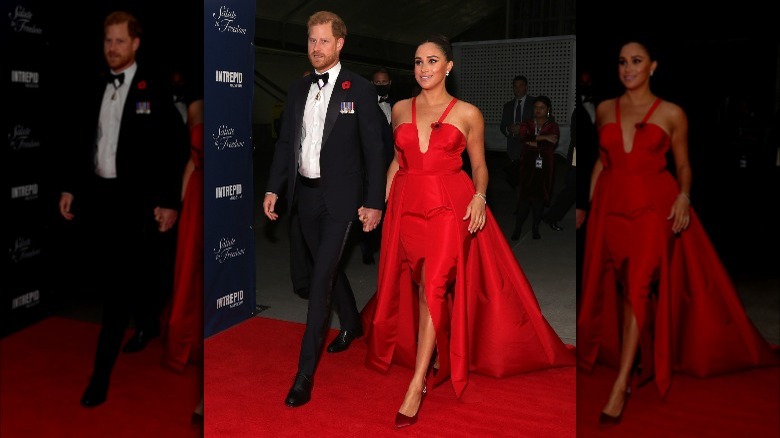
x=250 y=367
x=44 y=369
x=745 y=404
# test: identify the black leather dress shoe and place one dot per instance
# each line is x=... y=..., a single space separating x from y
x=554 y=225
x=139 y=340
x=344 y=338
x=95 y=394
x=302 y=292
x=300 y=393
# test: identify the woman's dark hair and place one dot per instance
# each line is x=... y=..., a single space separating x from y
x=442 y=42
x=643 y=41
x=548 y=103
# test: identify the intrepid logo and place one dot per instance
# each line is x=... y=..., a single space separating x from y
x=225 y=138
x=20 y=137
x=234 y=78
x=227 y=250
x=20 y=20
x=223 y=20
x=30 y=79
x=231 y=300
x=23 y=249
x=28 y=192
x=232 y=192
x=26 y=300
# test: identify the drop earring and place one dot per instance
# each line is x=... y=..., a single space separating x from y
x=651 y=72
x=447 y=74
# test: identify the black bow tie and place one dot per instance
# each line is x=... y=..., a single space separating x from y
x=315 y=78
x=383 y=99
x=112 y=78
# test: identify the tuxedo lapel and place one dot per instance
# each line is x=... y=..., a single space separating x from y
x=334 y=106
x=300 y=106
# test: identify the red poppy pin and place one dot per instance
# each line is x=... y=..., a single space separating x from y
x=142 y=85
x=345 y=85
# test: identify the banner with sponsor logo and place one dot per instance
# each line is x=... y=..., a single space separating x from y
x=229 y=274
x=25 y=297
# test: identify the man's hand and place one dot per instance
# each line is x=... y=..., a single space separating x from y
x=269 y=202
x=370 y=218
x=166 y=217
x=66 y=200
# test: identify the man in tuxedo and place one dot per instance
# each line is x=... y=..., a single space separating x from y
x=517 y=110
x=123 y=181
x=329 y=161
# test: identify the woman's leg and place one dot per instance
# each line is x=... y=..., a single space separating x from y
x=617 y=397
x=426 y=340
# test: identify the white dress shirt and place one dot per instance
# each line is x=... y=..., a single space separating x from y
x=314 y=124
x=385 y=106
x=109 y=123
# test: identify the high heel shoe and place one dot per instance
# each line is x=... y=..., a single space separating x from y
x=402 y=420
x=606 y=420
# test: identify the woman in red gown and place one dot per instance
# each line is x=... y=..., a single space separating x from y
x=448 y=281
x=652 y=282
x=184 y=331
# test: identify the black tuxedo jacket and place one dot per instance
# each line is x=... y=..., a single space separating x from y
x=513 y=144
x=387 y=135
x=152 y=147
x=352 y=167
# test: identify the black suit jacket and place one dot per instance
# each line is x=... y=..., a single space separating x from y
x=513 y=143
x=352 y=167
x=152 y=148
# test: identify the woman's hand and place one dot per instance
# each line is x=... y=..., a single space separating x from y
x=476 y=211
x=681 y=213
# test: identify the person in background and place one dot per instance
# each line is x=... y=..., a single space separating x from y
x=328 y=174
x=568 y=195
x=587 y=154
x=514 y=112
x=540 y=138
x=369 y=242
x=123 y=177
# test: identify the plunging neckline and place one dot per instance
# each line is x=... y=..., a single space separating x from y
x=434 y=126
x=636 y=126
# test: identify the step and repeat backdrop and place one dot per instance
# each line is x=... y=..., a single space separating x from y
x=28 y=78
x=229 y=293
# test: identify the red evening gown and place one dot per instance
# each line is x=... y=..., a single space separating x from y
x=484 y=311
x=689 y=314
x=184 y=333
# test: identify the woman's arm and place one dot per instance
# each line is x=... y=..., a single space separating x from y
x=475 y=147
x=680 y=214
